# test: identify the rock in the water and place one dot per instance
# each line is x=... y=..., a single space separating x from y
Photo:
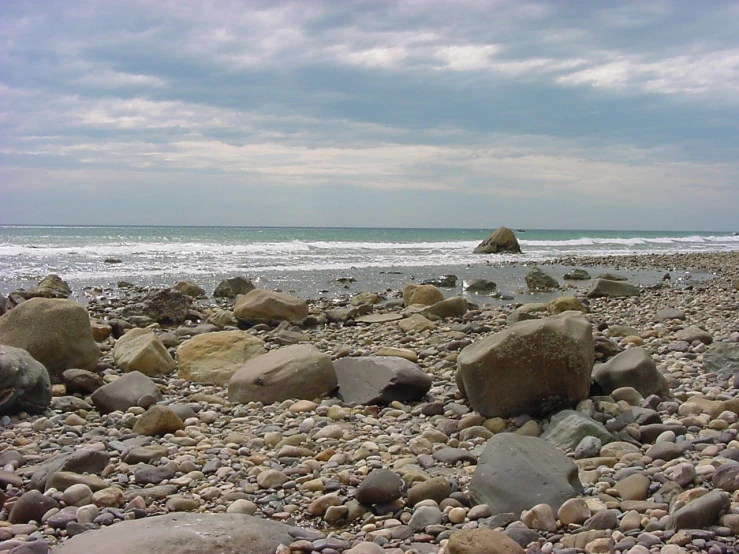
x=701 y=512
x=24 y=382
x=425 y=295
x=381 y=486
x=568 y=427
x=634 y=368
x=536 y=279
x=261 y=305
x=125 y=392
x=380 y=380
x=80 y=461
x=480 y=286
x=612 y=289
x=721 y=358
x=533 y=367
x=215 y=357
x=577 y=275
x=51 y=286
x=515 y=473
x=193 y=533
x=298 y=371
x=141 y=350
x=55 y=332
x=501 y=240
x=231 y=288
x=158 y=420
x=189 y=288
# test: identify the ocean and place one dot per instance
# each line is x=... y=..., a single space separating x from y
x=307 y=261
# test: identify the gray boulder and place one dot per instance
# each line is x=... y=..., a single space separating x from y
x=568 y=427
x=722 y=358
x=702 y=512
x=186 y=533
x=634 y=368
x=611 y=289
x=231 y=288
x=298 y=371
x=449 y=307
x=515 y=473
x=24 y=382
x=56 y=332
x=536 y=279
x=380 y=380
x=501 y=240
x=533 y=367
x=125 y=392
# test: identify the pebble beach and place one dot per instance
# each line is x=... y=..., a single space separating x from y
x=305 y=463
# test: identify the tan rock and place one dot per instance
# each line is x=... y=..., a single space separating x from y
x=574 y=510
x=141 y=350
x=415 y=324
x=398 y=352
x=425 y=295
x=482 y=541
x=158 y=420
x=565 y=304
x=215 y=357
x=633 y=487
x=264 y=305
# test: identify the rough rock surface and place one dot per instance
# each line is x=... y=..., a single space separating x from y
x=24 y=382
x=215 y=357
x=232 y=287
x=533 y=367
x=502 y=239
x=380 y=380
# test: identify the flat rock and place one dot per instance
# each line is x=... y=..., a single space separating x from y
x=379 y=318
x=380 y=380
x=124 y=392
x=81 y=461
x=612 y=289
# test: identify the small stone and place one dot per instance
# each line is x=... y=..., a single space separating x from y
x=574 y=510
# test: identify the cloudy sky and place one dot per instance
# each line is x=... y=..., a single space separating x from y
x=418 y=113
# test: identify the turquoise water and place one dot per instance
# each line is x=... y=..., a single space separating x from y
x=301 y=259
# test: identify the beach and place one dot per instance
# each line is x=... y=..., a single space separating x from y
x=664 y=481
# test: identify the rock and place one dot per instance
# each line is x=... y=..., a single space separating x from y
x=574 y=510
x=424 y=295
x=482 y=541
x=415 y=324
x=588 y=447
x=670 y=313
x=436 y=489
x=424 y=516
x=691 y=334
x=31 y=506
x=536 y=280
x=701 y=512
x=448 y=281
x=450 y=307
x=612 y=289
x=480 y=286
x=667 y=450
x=82 y=381
x=62 y=480
x=298 y=371
x=515 y=473
x=721 y=358
x=166 y=306
x=55 y=332
x=577 y=275
x=516 y=316
x=231 y=288
x=533 y=367
x=77 y=495
x=380 y=380
x=51 y=286
x=24 y=382
x=145 y=454
x=541 y=518
x=566 y=304
x=141 y=350
x=158 y=420
x=220 y=318
x=381 y=486
x=568 y=427
x=634 y=368
x=189 y=288
x=215 y=357
x=727 y=478
x=194 y=533
x=125 y=392
x=150 y=475
x=259 y=305
x=501 y=240
x=633 y=487
x=80 y=461
x=379 y=318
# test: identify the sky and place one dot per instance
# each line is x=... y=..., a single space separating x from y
x=417 y=113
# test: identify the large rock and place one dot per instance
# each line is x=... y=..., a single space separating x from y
x=261 y=305
x=568 y=427
x=480 y=286
x=536 y=279
x=125 y=392
x=501 y=240
x=55 y=332
x=80 y=461
x=298 y=371
x=186 y=533
x=533 y=367
x=721 y=358
x=611 y=289
x=166 y=306
x=231 y=288
x=215 y=357
x=24 y=382
x=380 y=380
x=634 y=368
x=449 y=307
x=51 y=286
x=425 y=295
x=189 y=288
x=515 y=473
x=141 y=350
x=701 y=512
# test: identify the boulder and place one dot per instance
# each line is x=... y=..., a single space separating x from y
x=259 y=305
x=533 y=367
x=24 y=382
x=450 y=307
x=298 y=371
x=158 y=420
x=501 y=240
x=125 y=392
x=566 y=304
x=721 y=358
x=166 y=306
x=51 y=286
x=536 y=280
x=31 y=506
x=84 y=460
x=634 y=368
x=515 y=473
x=425 y=295
x=577 y=275
x=380 y=380
x=191 y=533
x=480 y=286
x=232 y=287
x=568 y=427
x=82 y=381
x=701 y=512
x=55 y=332
x=189 y=288
x=141 y=350
x=611 y=289
x=215 y=357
